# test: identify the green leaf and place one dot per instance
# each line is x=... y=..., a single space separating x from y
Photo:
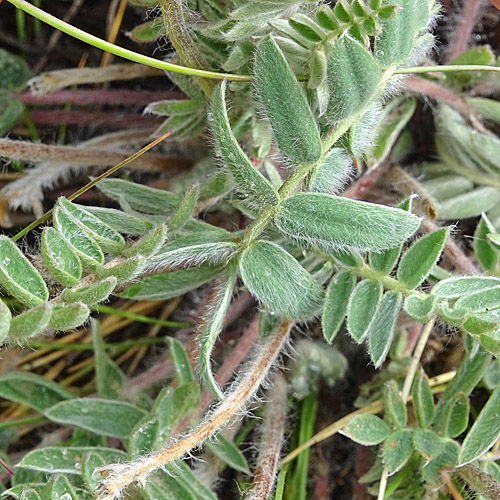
x=167 y=285
x=285 y=104
x=249 y=181
x=149 y=31
x=166 y=488
x=381 y=329
x=5 y=317
x=469 y=204
x=420 y=308
x=81 y=243
x=67 y=317
x=14 y=70
x=11 y=111
x=139 y=197
x=336 y=223
x=182 y=366
x=456 y=417
x=18 y=276
x=59 y=488
x=483 y=301
x=184 y=400
x=491 y=342
x=173 y=107
x=65 y=459
x=394 y=44
x=124 y=270
x=417 y=262
x=91 y=294
x=423 y=400
x=277 y=280
x=337 y=296
x=306 y=27
x=30 y=323
x=456 y=287
x=468 y=375
x=447 y=459
x=363 y=304
x=90 y=463
x=30 y=494
x=110 y=380
x=333 y=173
x=32 y=390
x=353 y=77
x=484 y=432
x=229 y=453
x=485 y=253
x=190 y=481
x=398 y=448
x=213 y=324
x=366 y=429
x=317 y=69
x=60 y=259
x=194 y=250
x=186 y=209
x=149 y=244
x=121 y=221
x=395 y=406
x=109 y=240
x=100 y=416
x=427 y=443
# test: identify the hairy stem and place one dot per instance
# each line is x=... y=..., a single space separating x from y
x=481 y=482
x=273 y=430
x=120 y=476
x=178 y=33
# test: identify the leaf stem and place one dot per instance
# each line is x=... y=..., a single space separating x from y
x=445 y=68
x=120 y=51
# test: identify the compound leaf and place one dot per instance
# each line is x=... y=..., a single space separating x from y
x=398 y=448
x=366 y=429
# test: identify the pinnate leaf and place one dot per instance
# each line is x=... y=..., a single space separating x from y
x=366 y=429
x=381 y=330
x=333 y=223
x=285 y=104
x=68 y=316
x=332 y=173
x=19 y=277
x=337 y=296
x=30 y=323
x=417 y=262
x=456 y=287
x=484 y=432
x=249 y=181
x=427 y=443
x=276 y=279
x=90 y=294
x=101 y=416
x=121 y=221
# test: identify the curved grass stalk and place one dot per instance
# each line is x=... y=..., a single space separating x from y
x=118 y=477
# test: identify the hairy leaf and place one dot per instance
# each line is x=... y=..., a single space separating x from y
x=285 y=104
x=149 y=244
x=19 y=277
x=456 y=416
x=229 y=453
x=337 y=296
x=90 y=463
x=338 y=223
x=395 y=406
x=353 y=76
x=182 y=366
x=398 y=448
x=32 y=390
x=447 y=459
x=332 y=173
x=485 y=253
x=417 y=262
x=100 y=416
x=59 y=488
x=279 y=281
x=167 y=285
x=60 y=259
x=65 y=459
x=249 y=181
x=90 y=294
x=419 y=308
x=121 y=221
x=109 y=240
x=363 y=304
x=5 y=317
x=427 y=443
x=14 y=70
x=423 y=401
x=213 y=324
x=30 y=323
x=123 y=271
x=381 y=329
x=484 y=432
x=366 y=429
x=456 y=287
x=66 y=317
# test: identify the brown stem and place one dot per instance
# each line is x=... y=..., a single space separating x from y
x=461 y=33
x=273 y=430
x=99 y=96
x=481 y=482
x=118 y=477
